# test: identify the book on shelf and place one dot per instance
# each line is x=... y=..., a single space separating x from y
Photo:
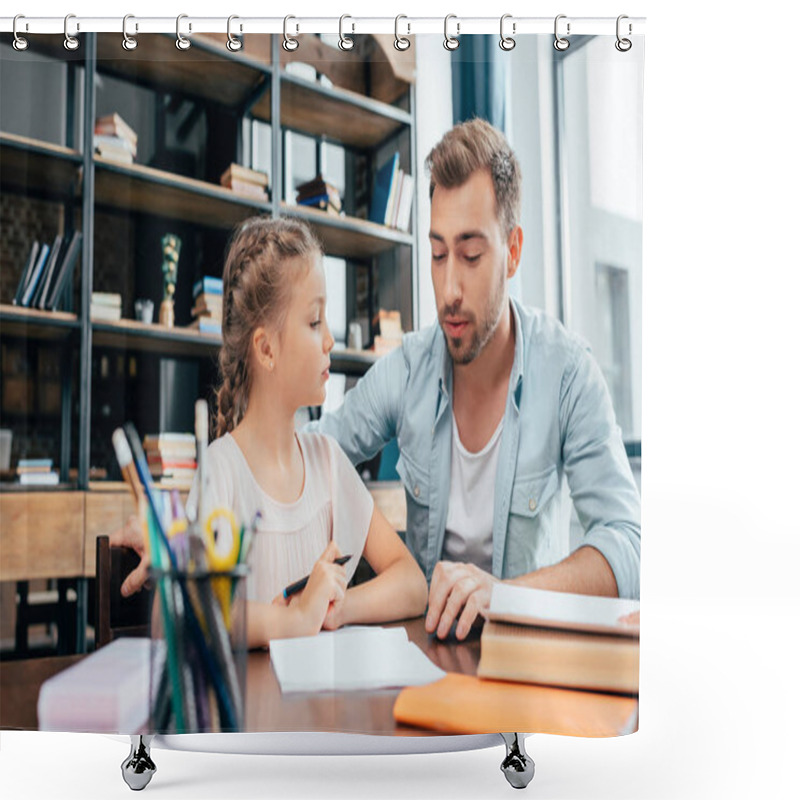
x=110 y=299
x=39 y=478
x=207 y=285
x=380 y=210
x=403 y=216
x=575 y=659
x=36 y=273
x=33 y=256
x=206 y=325
x=168 y=439
x=35 y=463
x=318 y=193
x=115 y=148
x=114 y=125
x=39 y=296
x=390 y=331
x=247 y=189
x=63 y=271
x=236 y=172
x=207 y=305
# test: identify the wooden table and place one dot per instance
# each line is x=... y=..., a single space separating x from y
x=267 y=709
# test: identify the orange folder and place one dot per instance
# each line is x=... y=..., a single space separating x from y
x=466 y=704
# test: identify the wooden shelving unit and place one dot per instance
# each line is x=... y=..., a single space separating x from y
x=243 y=86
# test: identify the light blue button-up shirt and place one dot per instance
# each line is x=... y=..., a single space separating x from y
x=559 y=425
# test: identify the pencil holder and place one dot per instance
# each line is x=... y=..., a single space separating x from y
x=198 y=651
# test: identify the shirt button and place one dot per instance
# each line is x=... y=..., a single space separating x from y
x=416 y=491
x=532 y=504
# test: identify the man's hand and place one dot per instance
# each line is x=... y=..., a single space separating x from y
x=130 y=535
x=458 y=591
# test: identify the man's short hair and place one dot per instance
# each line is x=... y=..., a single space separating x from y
x=474 y=145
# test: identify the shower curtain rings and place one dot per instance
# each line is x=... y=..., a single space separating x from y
x=561 y=43
x=181 y=42
x=507 y=42
x=450 y=42
x=345 y=42
x=234 y=44
x=290 y=44
x=128 y=42
x=623 y=45
x=400 y=42
x=71 y=43
x=20 y=43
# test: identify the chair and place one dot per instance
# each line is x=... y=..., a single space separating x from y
x=115 y=615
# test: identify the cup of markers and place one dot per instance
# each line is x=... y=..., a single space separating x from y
x=198 y=625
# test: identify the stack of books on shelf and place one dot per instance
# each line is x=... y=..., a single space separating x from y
x=114 y=139
x=36 y=472
x=390 y=331
x=106 y=307
x=207 y=309
x=44 y=276
x=171 y=458
x=249 y=182
x=320 y=194
x=392 y=196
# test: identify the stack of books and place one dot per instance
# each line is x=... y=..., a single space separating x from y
x=172 y=459
x=36 y=472
x=392 y=196
x=390 y=331
x=114 y=139
x=246 y=181
x=106 y=307
x=44 y=276
x=207 y=309
x=561 y=639
x=320 y=194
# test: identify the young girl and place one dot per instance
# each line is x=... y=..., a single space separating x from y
x=275 y=359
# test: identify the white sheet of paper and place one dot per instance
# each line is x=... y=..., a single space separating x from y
x=351 y=659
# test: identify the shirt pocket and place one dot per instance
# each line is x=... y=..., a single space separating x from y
x=416 y=482
x=532 y=492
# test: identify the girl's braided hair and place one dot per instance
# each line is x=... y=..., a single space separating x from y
x=261 y=267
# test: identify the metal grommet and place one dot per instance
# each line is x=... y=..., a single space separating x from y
x=623 y=45
x=20 y=43
x=181 y=42
x=128 y=42
x=290 y=44
x=400 y=42
x=345 y=42
x=561 y=43
x=234 y=44
x=450 y=42
x=506 y=42
x=70 y=42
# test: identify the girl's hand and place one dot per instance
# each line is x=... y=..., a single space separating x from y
x=325 y=588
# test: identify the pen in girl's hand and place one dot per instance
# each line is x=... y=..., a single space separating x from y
x=298 y=586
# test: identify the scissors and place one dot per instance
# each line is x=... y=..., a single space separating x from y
x=223 y=544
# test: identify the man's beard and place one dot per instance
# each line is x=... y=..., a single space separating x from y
x=463 y=352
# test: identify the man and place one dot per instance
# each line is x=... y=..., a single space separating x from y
x=492 y=409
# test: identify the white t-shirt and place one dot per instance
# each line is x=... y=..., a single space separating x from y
x=335 y=504
x=470 y=510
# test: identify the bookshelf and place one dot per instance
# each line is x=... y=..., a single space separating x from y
x=97 y=195
x=122 y=211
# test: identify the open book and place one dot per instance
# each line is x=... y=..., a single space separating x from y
x=579 y=612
